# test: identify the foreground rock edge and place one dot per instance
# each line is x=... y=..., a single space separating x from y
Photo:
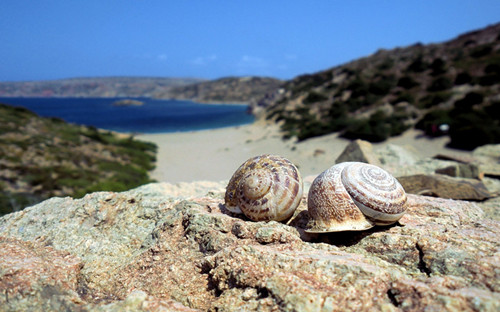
x=148 y=250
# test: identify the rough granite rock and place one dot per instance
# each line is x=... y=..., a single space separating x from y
x=150 y=250
x=444 y=186
x=359 y=150
x=488 y=159
x=460 y=170
x=30 y=270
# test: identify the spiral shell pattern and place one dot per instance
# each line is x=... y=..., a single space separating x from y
x=354 y=196
x=264 y=188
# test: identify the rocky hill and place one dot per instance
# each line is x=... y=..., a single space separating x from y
x=93 y=87
x=227 y=90
x=230 y=89
x=45 y=157
x=164 y=247
x=456 y=83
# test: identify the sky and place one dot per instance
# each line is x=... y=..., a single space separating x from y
x=55 y=39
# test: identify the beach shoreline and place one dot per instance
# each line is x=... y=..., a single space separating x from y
x=213 y=155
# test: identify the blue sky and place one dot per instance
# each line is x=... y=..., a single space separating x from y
x=52 y=39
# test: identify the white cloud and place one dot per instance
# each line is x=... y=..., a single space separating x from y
x=248 y=61
x=203 y=60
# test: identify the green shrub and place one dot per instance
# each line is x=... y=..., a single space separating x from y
x=470 y=130
x=418 y=65
x=276 y=113
x=489 y=79
x=434 y=99
x=66 y=170
x=470 y=99
x=314 y=97
x=337 y=111
x=306 y=82
x=481 y=51
x=492 y=68
x=386 y=64
x=331 y=86
x=358 y=87
x=404 y=97
x=12 y=202
x=438 y=67
x=407 y=82
x=353 y=104
x=493 y=110
x=377 y=128
x=430 y=122
x=380 y=87
x=468 y=127
x=463 y=78
x=440 y=84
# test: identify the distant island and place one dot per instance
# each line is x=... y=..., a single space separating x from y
x=128 y=102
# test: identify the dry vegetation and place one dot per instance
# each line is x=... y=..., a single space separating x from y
x=45 y=157
x=455 y=83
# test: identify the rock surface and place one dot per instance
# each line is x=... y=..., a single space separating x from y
x=164 y=247
x=359 y=150
x=444 y=186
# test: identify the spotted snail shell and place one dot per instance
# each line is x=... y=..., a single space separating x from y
x=354 y=196
x=264 y=188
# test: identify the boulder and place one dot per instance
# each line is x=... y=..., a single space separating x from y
x=462 y=170
x=150 y=250
x=397 y=156
x=456 y=158
x=488 y=158
x=490 y=151
x=444 y=186
x=359 y=150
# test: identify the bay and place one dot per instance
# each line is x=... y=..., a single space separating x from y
x=155 y=116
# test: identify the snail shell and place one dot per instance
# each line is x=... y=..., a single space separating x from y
x=264 y=188
x=354 y=196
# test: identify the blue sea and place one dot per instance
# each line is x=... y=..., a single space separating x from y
x=155 y=116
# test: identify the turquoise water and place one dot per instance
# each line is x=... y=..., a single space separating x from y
x=155 y=116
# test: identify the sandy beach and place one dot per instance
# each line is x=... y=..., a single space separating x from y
x=213 y=155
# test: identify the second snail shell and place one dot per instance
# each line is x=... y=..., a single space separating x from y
x=264 y=188
x=354 y=196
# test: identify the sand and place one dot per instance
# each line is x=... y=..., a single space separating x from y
x=213 y=155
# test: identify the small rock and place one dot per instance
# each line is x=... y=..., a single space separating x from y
x=491 y=151
x=359 y=150
x=462 y=170
x=445 y=187
x=318 y=152
x=460 y=159
x=391 y=155
x=490 y=170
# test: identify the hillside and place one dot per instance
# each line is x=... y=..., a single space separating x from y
x=93 y=87
x=46 y=157
x=456 y=83
x=229 y=89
